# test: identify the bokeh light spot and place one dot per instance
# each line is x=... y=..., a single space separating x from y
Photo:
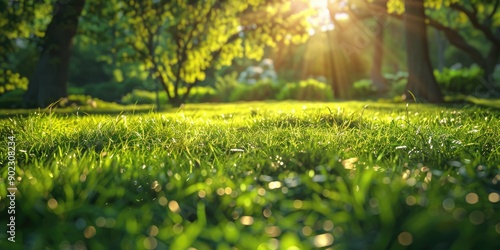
x=52 y=203
x=323 y=240
x=150 y=243
x=494 y=197
x=328 y=225
x=448 y=204
x=405 y=238
x=174 y=206
x=153 y=231
x=297 y=204
x=273 y=231
x=410 y=200
x=476 y=217
x=247 y=220
x=472 y=198
x=306 y=231
x=89 y=232
x=163 y=201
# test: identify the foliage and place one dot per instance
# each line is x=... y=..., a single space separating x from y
x=310 y=89
x=11 y=81
x=140 y=96
x=460 y=81
x=225 y=85
x=261 y=90
x=182 y=42
x=257 y=176
x=110 y=91
x=198 y=94
x=11 y=99
x=19 y=23
x=363 y=88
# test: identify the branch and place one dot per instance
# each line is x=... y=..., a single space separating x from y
x=475 y=22
x=495 y=7
x=458 y=41
x=455 y=39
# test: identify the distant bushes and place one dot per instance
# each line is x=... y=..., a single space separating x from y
x=262 y=90
x=197 y=94
x=311 y=90
x=363 y=88
x=110 y=91
x=465 y=81
x=460 y=81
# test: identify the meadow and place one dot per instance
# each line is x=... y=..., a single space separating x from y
x=256 y=175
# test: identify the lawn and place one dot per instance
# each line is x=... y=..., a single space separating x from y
x=282 y=175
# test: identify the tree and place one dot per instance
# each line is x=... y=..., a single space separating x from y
x=49 y=81
x=181 y=42
x=421 y=80
x=484 y=18
x=18 y=27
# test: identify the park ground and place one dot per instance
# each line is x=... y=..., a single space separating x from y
x=256 y=175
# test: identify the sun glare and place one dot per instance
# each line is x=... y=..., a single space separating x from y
x=321 y=21
x=319 y=4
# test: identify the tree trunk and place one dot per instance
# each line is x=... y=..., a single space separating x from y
x=376 y=76
x=441 y=46
x=380 y=15
x=49 y=81
x=421 y=81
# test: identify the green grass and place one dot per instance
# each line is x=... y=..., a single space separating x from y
x=350 y=175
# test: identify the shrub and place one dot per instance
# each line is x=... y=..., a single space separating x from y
x=112 y=91
x=460 y=81
x=12 y=99
x=196 y=95
x=310 y=89
x=224 y=86
x=107 y=91
x=262 y=90
x=202 y=94
x=363 y=88
x=139 y=96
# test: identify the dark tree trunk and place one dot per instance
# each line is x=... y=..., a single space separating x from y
x=441 y=46
x=376 y=76
x=421 y=81
x=380 y=15
x=49 y=81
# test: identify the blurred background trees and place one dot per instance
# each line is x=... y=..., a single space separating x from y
x=121 y=51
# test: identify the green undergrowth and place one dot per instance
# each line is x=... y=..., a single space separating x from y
x=282 y=175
